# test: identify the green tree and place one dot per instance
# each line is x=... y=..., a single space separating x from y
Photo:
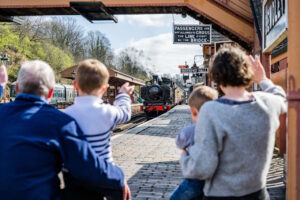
x=99 y=47
x=21 y=47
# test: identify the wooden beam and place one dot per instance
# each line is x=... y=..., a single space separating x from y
x=228 y=20
x=66 y=3
x=279 y=58
x=293 y=170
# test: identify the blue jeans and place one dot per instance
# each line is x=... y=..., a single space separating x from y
x=188 y=189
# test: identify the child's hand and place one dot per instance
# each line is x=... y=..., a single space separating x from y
x=126 y=88
x=258 y=69
x=184 y=151
x=3 y=75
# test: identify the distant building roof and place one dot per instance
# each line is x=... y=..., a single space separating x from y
x=115 y=76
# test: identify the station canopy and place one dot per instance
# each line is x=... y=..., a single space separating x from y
x=231 y=18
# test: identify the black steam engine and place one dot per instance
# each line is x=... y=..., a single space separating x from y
x=158 y=95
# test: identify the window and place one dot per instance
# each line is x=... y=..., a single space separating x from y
x=112 y=91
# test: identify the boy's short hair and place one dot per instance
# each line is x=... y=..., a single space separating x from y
x=231 y=67
x=91 y=75
x=200 y=95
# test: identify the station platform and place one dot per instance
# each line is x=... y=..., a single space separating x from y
x=149 y=157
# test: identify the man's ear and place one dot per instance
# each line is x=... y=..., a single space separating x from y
x=17 y=88
x=50 y=94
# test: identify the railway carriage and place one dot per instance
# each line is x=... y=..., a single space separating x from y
x=63 y=95
x=59 y=95
x=70 y=94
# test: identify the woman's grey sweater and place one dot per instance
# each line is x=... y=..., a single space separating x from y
x=234 y=143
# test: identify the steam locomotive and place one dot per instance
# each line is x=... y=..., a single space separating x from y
x=158 y=96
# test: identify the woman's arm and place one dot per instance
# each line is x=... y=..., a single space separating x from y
x=267 y=85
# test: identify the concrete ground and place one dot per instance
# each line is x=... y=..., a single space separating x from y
x=149 y=157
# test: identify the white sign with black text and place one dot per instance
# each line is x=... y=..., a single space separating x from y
x=191 y=34
x=275 y=23
x=194 y=71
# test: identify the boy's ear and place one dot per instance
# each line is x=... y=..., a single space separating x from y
x=194 y=111
x=104 y=88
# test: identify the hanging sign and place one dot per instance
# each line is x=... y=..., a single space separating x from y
x=274 y=23
x=194 y=71
x=191 y=34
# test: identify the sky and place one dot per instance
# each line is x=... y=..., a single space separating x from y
x=150 y=33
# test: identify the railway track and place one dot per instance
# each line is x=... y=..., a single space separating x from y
x=135 y=121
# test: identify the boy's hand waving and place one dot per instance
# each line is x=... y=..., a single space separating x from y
x=126 y=88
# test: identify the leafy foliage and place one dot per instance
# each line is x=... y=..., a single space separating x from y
x=21 y=48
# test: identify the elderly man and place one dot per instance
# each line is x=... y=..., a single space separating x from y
x=36 y=141
x=3 y=80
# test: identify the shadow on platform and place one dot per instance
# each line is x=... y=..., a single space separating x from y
x=155 y=180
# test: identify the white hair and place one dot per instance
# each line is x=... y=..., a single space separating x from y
x=36 y=77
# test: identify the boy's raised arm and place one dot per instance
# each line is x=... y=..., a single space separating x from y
x=121 y=111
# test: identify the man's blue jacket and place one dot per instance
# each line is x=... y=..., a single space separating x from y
x=36 y=142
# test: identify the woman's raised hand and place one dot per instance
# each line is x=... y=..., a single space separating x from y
x=258 y=69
